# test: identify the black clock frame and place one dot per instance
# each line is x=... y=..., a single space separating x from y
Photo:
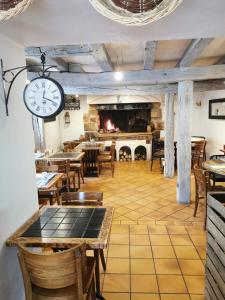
x=61 y=107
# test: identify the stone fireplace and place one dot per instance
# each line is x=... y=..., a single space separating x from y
x=141 y=117
x=130 y=125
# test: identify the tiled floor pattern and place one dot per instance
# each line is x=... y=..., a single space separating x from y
x=155 y=262
x=157 y=248
x=140 y=196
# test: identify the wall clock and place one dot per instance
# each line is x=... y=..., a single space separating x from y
x=44 y=97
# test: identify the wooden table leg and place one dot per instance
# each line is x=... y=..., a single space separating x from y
x=97 y=274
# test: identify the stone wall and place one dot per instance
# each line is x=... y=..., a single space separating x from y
x=156 y=116
x=92 y=122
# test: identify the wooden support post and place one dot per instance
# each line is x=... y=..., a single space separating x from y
x=169 y=136
x=184 y=107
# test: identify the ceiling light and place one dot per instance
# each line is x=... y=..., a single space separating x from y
x=118 y=76
x=27 y=81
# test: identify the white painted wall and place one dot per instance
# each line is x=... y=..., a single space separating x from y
x=17 y=185
x=213 y=130
x=52 y=135
x=72 y=131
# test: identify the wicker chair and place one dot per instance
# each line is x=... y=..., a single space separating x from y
x=85 y=199
x=61 y=275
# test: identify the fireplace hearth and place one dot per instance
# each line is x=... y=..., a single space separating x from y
x=124 y=118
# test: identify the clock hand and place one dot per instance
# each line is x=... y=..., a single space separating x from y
x=48 y=99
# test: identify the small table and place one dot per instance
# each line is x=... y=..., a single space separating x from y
x=215 y=166
x=47 y=180
x=74 y=156
x=92 y=150
x=66 y=226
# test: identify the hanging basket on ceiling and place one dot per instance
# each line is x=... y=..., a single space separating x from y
x=11 y=8
x=135 y=12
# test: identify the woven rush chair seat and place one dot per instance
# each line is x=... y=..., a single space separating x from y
x=63 y=275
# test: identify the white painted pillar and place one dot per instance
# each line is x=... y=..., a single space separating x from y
x=184 y=111
x=169 y=136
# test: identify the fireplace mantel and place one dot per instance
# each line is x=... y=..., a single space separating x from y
x=125 y=136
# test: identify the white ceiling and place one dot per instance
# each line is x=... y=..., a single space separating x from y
x=52 y=22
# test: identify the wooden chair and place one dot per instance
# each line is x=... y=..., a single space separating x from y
x=217 y=177
x=202 y=186
x=85 y=199
x=82 y=198
x=198 y=153
x=69 y=178
x=78 y=169
x=51 y=194
x=157 y=152
x=63 y=275
x=105 y=158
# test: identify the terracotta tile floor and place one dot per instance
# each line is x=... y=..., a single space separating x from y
x=157 y=248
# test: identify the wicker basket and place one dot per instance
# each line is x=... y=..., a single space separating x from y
x=11 y=8
x=135 y=12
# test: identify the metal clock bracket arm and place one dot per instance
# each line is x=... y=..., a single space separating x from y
x=15 y=72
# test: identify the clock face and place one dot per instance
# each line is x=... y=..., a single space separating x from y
x=44 y=97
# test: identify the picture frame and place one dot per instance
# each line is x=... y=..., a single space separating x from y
x=217 y=109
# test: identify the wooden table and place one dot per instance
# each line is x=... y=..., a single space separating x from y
x=92 y=150
x=53 y=182
x=215 y=166
x=73 y=156
x=29 y=232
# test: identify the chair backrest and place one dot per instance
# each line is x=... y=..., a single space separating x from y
x=202 y=180
x=82 y=198
x=46 y=168
x=112 y=150
x=54 y=270
x=63 y=165
x=157 y=145
x=199 y=146
x=198 y=136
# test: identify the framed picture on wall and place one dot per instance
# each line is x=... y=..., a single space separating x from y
x=217 y=109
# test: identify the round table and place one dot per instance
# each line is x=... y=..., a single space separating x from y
x=215 y=166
